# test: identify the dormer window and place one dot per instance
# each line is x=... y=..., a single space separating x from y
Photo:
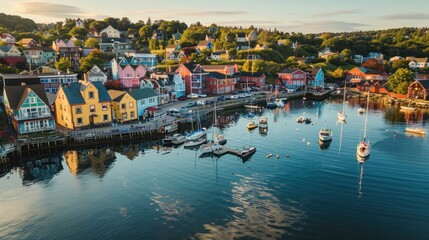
x=91 y=95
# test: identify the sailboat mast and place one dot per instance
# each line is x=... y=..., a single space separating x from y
x=366 y=117
x=344 y=97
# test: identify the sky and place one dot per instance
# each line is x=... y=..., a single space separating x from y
x=306 y=16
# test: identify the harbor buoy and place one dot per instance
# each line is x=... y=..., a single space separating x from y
x=287 y=155
x=303 y=139
x=269 y=155
x=297 y=129
x=394 y=135
x=277 y=156
x=308 y=143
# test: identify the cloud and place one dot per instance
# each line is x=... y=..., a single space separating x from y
x=407 y=16
x=186 y=13
x=48 y=9
x=323 y=26
x=337 y=13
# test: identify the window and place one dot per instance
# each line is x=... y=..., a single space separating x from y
x=123 y=106
x=131 y=104
x=78 y=110
x=91 y=95
x=92 y=108
x=32 y=99
x=79 y=121
x=105 y=117
x=104 y=107
x=132 y=114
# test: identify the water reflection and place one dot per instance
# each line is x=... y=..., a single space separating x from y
x=256 y=214
x=43 y=169
x=98 y=160
x=324 y=145
x=170 y=208
x=360 y=192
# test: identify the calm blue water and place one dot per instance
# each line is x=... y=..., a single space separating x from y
x=164 y=193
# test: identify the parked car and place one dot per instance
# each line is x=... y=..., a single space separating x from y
x=191 y=104
x=193 y=95
x=202 y=95
x=182 y=98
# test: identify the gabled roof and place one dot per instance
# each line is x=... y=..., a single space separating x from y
x=74 y=96
x=144 y=93
x=241 y=35
x=218 y=75
x=362 y=69
x=191 y=67
x=312 y=71
x=289 y=70
x=17 y=94
x=116 y=95
x=44 y=49
x=424 y=83
x=248 y=74
x=203 y=43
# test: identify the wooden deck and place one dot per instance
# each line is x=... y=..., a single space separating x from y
x=226 y=150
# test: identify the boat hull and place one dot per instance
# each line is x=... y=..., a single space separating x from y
x=363 y=149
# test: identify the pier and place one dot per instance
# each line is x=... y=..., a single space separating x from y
x=225 y=150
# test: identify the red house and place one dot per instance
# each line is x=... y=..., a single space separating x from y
x=295 y=77
x=419 y=89
x=359 y=74
x=245 y=80
x=218 y=83
x=194 y=76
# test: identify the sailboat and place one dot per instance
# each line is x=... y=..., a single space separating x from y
x=342 y=114
x=212 y=145
x=364 y=148
x=251 y=106
x=197 y=134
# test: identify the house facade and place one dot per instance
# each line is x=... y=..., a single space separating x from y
x=315 y=77
x=145 y=97
x=57 y=44
x=148 y=60
x=417 y=62
x=179 y=84
x=205 y=45
x=246 y=80
x=325 y=53
x=39 y=55
x=28 y=42
x=71 y=53
x=419 y=89
x=218 y=83
x=359 y=74
x=295 y=77
x=82 y=104
x=79 y=23
x=7 y=38
x=9 y=51
x=52 y=82
x=124 y=106
x=110 y=32
x=194 y=76
x=96 y=75
x=128 y=71
x=27 y=108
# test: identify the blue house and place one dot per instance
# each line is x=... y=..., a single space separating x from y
x=315 y=77
x=179 y=84
x=148 y=60
x=145 y=98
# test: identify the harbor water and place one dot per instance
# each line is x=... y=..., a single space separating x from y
x=303 y=191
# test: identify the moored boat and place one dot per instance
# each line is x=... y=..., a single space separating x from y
x=252 y=125
x=415 y=130
x=179 y=139
x=247 y=151
x=361 y=110
x=195 y=143
x=171 y=128
x=407 y=108
x=325 y=134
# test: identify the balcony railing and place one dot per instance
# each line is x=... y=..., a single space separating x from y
x=33 y=116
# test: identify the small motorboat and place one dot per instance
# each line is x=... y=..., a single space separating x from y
x=171 y=128
x=303 y=120
x=178 y=139
x=247 y=151
x=263 y=122
x=195 y=143
x=361 y=110
x=325 y=134
x=408 y=108
x=220 y=139
x=169 y=139
x=252 y=125
x=415 y=130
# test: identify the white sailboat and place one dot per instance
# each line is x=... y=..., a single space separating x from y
x=213 y=145
x=342 y=114
x=363 y=149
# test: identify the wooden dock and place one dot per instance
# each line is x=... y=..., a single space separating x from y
x=226 y=150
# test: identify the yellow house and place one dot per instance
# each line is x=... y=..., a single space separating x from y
x=82 y=104
x=124 y=106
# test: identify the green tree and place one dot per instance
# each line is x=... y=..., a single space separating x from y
x=334 y=59
x=291 y=62
x=94 y=58
x=92 y=42
x=397 y=64
x=78 y=32
x=145 y=32
x=63 y=64
x=399 y=81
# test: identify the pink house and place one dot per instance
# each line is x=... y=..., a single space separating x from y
x=295 y=77
x=57 y=44
x=128 y=71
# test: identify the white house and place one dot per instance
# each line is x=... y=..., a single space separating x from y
x=96 y=75
x=417 y=62
x=110 y=32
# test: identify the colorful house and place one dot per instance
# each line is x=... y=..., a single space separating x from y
x=325 y=53
x=39 y=55
x=128 y=71
x=28 y=42
x=218 y=83
x=224 y=69
x=315 y=77
x=205 y=45
x=220 y=55
x=7 y=38
x=27 y=107
x=148 y=60
x=246 y=80
x=419 y=89
x=57 y=44
x=179 y=84
x=295 y=77
x=82 y=104
x=194 y=76
x=417 y=62
x=359 y=74
x=9 y=51
x=95 y=75
x=124 y=106
x=145 y=98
